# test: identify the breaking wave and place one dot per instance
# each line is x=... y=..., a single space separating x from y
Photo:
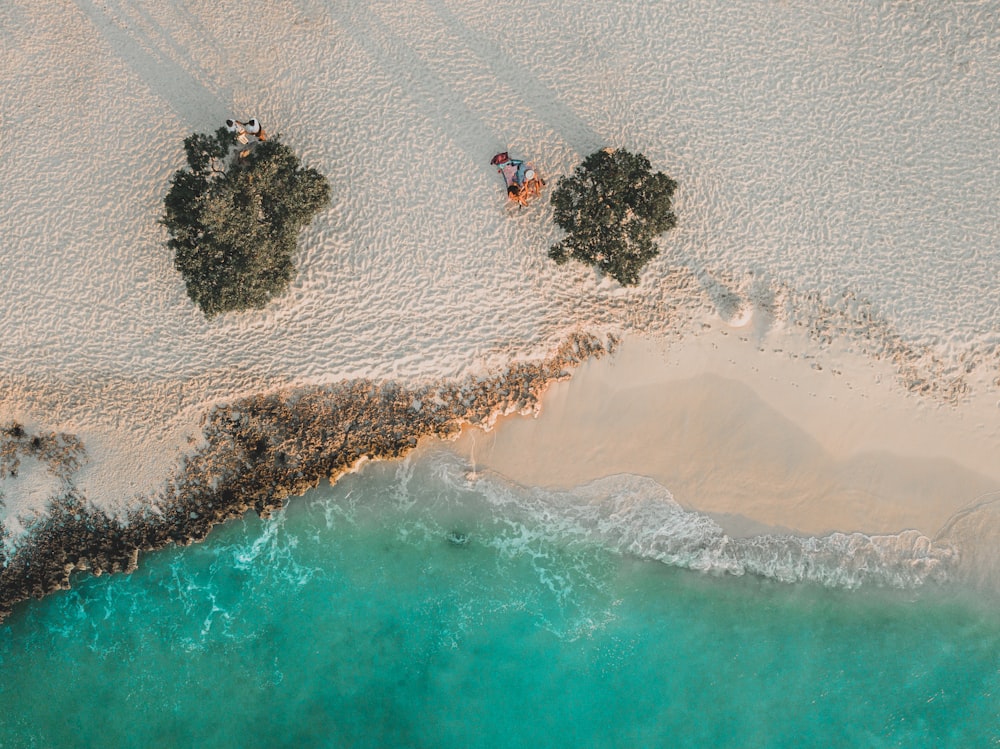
x=634 y=515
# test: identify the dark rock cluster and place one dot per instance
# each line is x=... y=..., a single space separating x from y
x=258 y=452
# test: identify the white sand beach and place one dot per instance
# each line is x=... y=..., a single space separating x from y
x=816 y=348
x=760 y=437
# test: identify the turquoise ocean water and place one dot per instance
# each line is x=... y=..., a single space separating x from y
x=416 y=605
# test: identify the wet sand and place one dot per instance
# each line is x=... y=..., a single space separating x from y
x=758 y=433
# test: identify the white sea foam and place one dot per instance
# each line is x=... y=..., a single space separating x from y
x=637 y=516
x=634 y=515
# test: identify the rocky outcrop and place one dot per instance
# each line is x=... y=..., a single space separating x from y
x=260 y=451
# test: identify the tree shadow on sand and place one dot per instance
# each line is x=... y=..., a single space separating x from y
x=158 y=61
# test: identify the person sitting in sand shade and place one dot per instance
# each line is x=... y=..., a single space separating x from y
x=253 y=127
x=238 y=131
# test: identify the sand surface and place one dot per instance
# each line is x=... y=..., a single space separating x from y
x=838 y=171
x=760 y=434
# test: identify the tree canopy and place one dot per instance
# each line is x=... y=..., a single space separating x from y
x=234 y=222
x=612 y=208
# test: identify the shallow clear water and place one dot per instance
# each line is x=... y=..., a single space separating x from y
x=411 y=606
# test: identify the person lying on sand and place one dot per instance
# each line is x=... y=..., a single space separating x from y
x=521 y=180
x=514 y=192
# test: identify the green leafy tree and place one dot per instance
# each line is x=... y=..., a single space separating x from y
x=234 y=222
x=612 y=208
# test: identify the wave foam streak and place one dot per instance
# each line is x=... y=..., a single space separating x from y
x=634 y=515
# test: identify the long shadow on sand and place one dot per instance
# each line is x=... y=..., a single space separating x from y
x=157 y=60
x=443 y=105
x=437 y=101
x=535 y=94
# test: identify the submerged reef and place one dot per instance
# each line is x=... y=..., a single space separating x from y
x=258 y=452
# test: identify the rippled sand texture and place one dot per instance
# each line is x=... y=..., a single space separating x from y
x=837 y=167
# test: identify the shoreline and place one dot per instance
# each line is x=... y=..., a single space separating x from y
x=767 y=436
x=258 y=452
x=835 y=190
x=762 y=433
